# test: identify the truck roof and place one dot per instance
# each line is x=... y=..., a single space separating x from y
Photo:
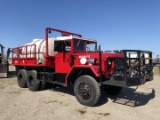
x=72 y=37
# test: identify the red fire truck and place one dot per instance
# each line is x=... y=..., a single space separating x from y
x=70 y=60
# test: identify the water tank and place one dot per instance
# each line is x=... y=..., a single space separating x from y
x=29 y=50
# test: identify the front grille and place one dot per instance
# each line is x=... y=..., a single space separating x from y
x=119 y=64
x=119 y=70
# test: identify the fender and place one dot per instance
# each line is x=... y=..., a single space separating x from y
x=94 y=69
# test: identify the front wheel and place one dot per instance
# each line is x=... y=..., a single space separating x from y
x=87 y=90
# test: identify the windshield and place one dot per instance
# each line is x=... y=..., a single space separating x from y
x=83 y=45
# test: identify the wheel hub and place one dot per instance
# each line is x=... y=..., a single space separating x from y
x=84 y=91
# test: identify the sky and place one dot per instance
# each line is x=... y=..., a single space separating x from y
x=115 y=24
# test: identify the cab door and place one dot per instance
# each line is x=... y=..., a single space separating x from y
x=62 y=63
x=62 y=57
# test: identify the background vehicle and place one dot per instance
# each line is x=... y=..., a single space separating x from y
x=73 y=60
x=3 y=63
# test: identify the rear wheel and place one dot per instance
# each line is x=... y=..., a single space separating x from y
x=112 y=90
x=42 y=85
x=22 y=78
x=87 y=90
x=32 y=82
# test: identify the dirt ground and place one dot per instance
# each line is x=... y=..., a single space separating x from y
x=59 y=103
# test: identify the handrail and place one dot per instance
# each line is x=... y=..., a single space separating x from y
x=64 y=33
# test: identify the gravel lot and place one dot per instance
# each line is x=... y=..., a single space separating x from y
x=59 y=103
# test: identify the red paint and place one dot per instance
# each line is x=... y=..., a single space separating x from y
x=60 y=63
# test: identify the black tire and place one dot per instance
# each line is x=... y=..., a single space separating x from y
x=22 y=78
x=87 y=90
x=112 y=90
x=32 y=82
x=42 y=85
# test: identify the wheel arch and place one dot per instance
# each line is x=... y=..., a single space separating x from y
x=78 y=71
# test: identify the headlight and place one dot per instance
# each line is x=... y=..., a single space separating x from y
x=83 y=60
x=92 y=60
